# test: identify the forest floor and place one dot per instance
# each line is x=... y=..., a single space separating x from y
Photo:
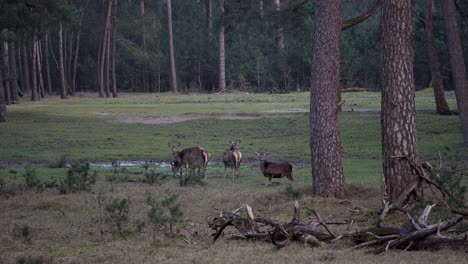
x=65 y=228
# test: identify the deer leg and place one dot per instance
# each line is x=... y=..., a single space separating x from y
x=269 y=179
x=232 y=172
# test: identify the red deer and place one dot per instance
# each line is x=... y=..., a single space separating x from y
x=232 y=158
x=191 y=158
x=275 y=170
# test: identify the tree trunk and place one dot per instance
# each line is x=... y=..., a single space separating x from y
x=47 y=64
x=441 y=104
x=63 y=85
x=20 y=69
x=209 y=18
x=108 y=65
x=68 y=63
x=14 y=82
x=143 y=40
x=114 y=34
x=99 y=64
x=34 y=89
x=6 y=68
x=457 y=64
x=327 y=168
x=398 y=97
x=222 y=54
x=39 y=69
x=27 y=77
x=260 y=7
x=279 y=29
x=77 y=48
x=3 y=110
x=171 y=48
x=104 y=77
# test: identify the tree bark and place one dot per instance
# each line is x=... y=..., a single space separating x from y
x=69 y=62
x=99 y=63
x=39 y=69
x=114 y=34
x=171 y=48
x=47 y=64
x=222 y=53
x=34 y=89
x=3 y=110
x=279 y=29
x=457 y=63
x=6 y=68
x=398 y=97
x=441 y=104
x=14 y=82
x=327 y=168
x=63 y=85
x=143 y=40
x=209 y=18
x=20 y=69
x=27 y=77
x=104 y=77
x=260 y=7
x=77 y=48
x=108 y=49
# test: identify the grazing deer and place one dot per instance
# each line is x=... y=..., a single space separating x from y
x=191 y=158
x=232 y=158
x=275 y=170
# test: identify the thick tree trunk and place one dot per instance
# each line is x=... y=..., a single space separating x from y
x=27 y=77
x=222 y=53
x=14 y=82
x=260 y=7
x=441 y=104
x=209 y=18
x=398 y=97
x=47 y=64
x=63 y=85
x=457 y=63
x=20 y=69
x=279 y=28
x=34 y=88
x=327 y=168
x=77 y=48
x=3 y=110
x=104 y=70
x=99 y=63
x=114 y=35
x=6 y=69
x=171 y=48
x=108 y=50
x=39 y=69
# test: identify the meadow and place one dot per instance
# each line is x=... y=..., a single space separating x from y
x=63 y=228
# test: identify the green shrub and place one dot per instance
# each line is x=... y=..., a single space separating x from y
x=164 y=211
x=77 y=179
x=117 y=214
x=154 y=178
x=30 y=178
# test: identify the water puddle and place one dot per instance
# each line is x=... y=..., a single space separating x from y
x=130 y=163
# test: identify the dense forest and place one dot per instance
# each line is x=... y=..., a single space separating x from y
x=266 y=46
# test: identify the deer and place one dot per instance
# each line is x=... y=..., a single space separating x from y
x=274 y=170
x=233 y=158
x=190 y=158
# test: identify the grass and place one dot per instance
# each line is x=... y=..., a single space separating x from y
x=64 y=228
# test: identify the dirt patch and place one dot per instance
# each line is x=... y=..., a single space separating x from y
x=287 y=111
x=151 y=120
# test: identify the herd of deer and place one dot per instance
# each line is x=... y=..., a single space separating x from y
x=195 y=161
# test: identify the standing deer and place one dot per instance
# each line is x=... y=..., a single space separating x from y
x=191 y=158
x=274 y=170
x=232 y=158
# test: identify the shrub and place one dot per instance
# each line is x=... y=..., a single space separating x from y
x=77 y=179
x=163 y=212
x=117 y=212
x=154 y=178
x=60 y=162
x=30 y=178
x=23 y=232
x=8 y=189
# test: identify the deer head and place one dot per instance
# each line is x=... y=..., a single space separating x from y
x=262 y=155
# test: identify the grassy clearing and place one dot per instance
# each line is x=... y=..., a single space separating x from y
x=64 y=228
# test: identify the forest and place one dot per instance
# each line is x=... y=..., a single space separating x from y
x=235 y=131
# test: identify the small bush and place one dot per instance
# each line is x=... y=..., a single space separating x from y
x=163 y=212
x=30 y=260
x=30 y=178
x=450 y=180
x=8 y=189
x=154 y=178
x=77 y=179
x=191 y=181
x=295 y=194
x=23 y=232
x=117 y=212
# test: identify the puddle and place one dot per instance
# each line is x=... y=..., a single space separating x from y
x=130 y=163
